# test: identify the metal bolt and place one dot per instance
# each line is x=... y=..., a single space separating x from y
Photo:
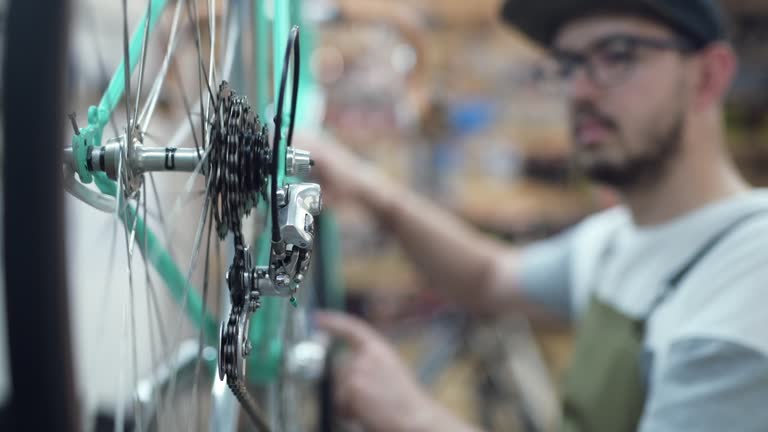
x=282 y=197
x=298 y=162
x=282 y=281
x=247 y=347
x=72 y=118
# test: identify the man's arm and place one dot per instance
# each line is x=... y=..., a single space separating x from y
x=473 y=268
x=455 y=258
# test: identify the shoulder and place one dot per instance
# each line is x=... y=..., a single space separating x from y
x=605 y=220
x=594 y=231
x=582 y=241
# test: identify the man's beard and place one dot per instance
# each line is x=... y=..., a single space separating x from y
x=639 y=169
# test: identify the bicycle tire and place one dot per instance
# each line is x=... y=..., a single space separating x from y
x=37 y=306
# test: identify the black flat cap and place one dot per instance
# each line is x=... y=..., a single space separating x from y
x=700 y=21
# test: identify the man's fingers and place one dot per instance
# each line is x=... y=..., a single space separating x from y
x=352 y=330
x=314 y=141
x=342 y=398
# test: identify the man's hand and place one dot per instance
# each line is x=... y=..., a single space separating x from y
x=375 y=388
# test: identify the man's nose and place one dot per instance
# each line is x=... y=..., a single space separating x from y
x=582 y=87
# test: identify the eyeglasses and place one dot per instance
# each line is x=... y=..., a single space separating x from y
x=610 y=60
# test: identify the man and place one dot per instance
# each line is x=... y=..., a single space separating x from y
x=666 y=289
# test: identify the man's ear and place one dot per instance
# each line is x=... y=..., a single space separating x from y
x=718 y=65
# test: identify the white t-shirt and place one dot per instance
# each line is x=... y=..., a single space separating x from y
x=706 y=345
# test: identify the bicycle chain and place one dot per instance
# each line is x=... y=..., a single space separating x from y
x=235 y=382
x=239 y=167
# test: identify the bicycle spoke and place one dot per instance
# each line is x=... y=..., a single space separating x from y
x=120 y=405
x=126 y=216
x=166 y=347
x=149 y=107
x=198 y=46
x=130 y=235
x=201 y=333
x=160 y=216
x=137 y=410
x=212 y=35
x=212 y=44
x=147 y=282
x=103 y=74
x=107 y=293
x=126 y=69
x=143 y=62
x=187 y=107
x=232 y=41
x=119 y=424
x=201 y=72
